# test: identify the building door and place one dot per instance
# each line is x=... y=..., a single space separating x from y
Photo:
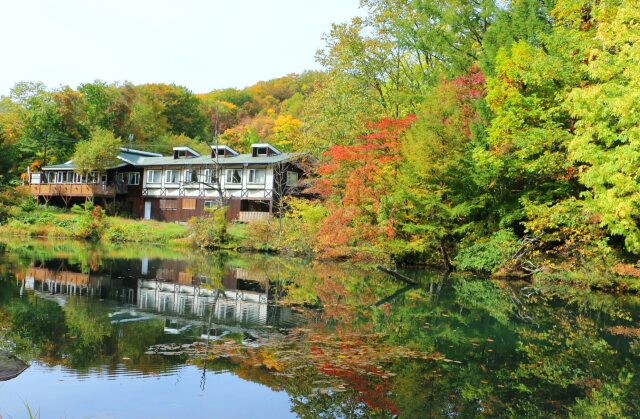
x=147 y=210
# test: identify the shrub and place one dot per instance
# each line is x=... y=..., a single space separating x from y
x=90 y=223
x=490 y=255
x=29 y=204
x=294 y=233
x=210 y=230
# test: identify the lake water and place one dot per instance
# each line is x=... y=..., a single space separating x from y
x=135 y=332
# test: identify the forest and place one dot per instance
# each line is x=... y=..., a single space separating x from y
x=484 y=135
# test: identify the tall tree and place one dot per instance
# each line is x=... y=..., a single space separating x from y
x=604 y=37
x=437 y=189
x=98 y=153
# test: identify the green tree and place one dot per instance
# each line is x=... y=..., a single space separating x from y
x=605 y=38
x=437 y=192
x=98 y=153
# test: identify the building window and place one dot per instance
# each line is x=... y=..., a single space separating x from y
x=234 y=176
x=206 y=176
x=209 y=176
x=191 y=176
x=68 y=177
x=261 y=151
x=77 y=178
x=168 y=204
x=154 y=176
x=103 y=178
x=292 y=178
x=172 y=176
x=182 y=154
x=257 y=176
x=133 y=178
x=122 y=178
x=188 y=204
x=210 y=204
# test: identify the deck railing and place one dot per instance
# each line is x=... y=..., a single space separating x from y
x=71 y=189
x=247 y=216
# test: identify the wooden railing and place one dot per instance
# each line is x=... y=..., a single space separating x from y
x=247 y=216
x=71 y=189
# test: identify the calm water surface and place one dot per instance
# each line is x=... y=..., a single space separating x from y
x=131 y=332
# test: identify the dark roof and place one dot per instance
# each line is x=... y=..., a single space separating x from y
x=147 y=159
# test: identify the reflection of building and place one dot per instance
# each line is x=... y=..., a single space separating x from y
x=171 y=288
x=62 y=282
x=240 y=302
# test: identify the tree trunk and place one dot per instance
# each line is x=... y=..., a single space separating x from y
x=445 y=256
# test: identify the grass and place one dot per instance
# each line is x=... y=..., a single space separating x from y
x=236 y=235
x=120 y=230
x=55 y=224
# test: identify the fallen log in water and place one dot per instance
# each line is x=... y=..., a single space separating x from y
x=10 y=366
x=397 y=275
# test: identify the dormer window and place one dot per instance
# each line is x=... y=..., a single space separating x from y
x=264 y=150
x=222 y=151
x=184 y=153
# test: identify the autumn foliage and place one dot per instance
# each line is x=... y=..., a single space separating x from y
x=355 y=179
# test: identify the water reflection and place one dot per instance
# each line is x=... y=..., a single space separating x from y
x=161 y=287
x=335 y=340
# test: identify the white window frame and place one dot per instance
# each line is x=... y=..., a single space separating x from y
x=174 y=179
x=206 y=176
x=290 y=181
x=77 y=178
x=151 y=175
x=259 y=154
x=210 y=204
x=229 y=176
x=189 y=176
x=251 y=176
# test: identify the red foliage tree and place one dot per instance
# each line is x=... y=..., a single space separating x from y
x=355 y=179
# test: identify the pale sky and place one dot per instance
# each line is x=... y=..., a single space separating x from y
x=200 y=44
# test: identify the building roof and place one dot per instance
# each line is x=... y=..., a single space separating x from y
x=240 y=159
x=146 y=159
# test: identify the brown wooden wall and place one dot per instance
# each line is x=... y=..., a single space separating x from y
x=180 y=214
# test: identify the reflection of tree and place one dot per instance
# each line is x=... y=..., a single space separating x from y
x=38 y=325
x=89 y=328
x=449 y=347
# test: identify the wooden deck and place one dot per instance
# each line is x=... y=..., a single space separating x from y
x=71 y=189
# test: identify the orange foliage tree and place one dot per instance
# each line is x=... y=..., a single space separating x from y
x=356 y=180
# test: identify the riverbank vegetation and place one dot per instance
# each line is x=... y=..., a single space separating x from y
x=497 y=137
x=87 y=222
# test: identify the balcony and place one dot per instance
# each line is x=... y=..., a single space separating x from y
x=72 y=189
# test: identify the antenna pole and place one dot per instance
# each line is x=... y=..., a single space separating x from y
x=46 y=142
